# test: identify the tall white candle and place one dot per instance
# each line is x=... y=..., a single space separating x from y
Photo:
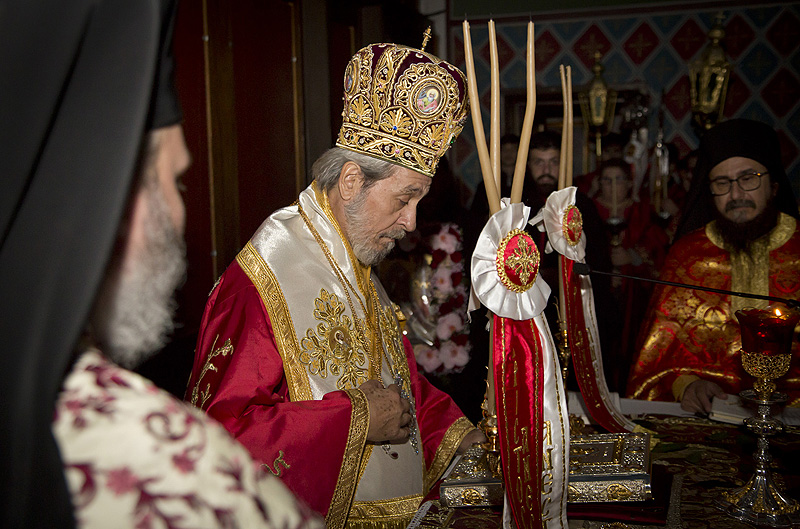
x=494 y=126
x=477 y=125
x=527 y=123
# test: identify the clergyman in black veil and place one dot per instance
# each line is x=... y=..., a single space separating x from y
x=91 y=250
x=739 y=232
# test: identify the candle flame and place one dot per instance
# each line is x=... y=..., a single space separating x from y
x=778 y=312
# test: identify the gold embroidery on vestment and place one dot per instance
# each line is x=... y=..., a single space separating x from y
x=337 y=345
x=447 y=449
x=395 y=513
x=278 y=463
x=225 y=350
x=356 y=439
x=750 y=270
x=271 y=294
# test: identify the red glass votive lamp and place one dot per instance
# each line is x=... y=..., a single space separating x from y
x=768 y=332
x=766 y=345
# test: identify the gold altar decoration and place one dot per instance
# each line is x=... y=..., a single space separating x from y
x=708 y=80
x=474 y=481
x=609 y=467
x=766 y=354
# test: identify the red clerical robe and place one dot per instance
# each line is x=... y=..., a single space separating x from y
x=290 y=331
x=691 y=334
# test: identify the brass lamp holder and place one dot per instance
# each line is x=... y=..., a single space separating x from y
x=708 y=80
x=598 y=103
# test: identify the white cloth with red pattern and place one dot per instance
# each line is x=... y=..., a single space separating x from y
x=135 y=456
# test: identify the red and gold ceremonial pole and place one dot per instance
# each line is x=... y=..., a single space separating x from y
x=529 y=434
x=579 y=337
x=564 y=181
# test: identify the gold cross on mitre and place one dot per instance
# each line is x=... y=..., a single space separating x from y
x=425 y=38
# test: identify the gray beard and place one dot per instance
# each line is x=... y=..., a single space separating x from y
x=136 y=310
x=360 y=238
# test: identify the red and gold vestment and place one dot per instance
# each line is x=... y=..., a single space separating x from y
x=690 y=334
x=290 y=331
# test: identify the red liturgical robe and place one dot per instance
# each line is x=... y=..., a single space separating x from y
x=265 y=372
x=690 y=334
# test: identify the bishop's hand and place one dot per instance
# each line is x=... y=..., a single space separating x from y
x=389 y=413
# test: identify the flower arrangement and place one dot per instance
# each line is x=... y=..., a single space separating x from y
x=446 y=302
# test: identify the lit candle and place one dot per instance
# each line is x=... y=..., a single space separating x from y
x=767 y=332
x=477 y=125
x=527 y=123
x=494 y=127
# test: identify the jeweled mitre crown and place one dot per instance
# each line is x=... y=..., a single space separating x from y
x=402 y=105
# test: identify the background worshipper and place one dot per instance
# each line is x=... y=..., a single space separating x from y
x=638 y=247
x=479 y=209
x=92 y=249
x=738 y=232
x=612 y=146
x=300 y=353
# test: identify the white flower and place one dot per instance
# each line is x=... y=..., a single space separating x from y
x=442 y=281
x=453 y=355
x=447 y=325
x=427 y=357
x=445 y=241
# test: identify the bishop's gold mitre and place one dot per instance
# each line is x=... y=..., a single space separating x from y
x=402 y=105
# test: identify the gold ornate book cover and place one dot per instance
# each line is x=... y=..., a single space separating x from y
x=609 y=467
x=472 y=482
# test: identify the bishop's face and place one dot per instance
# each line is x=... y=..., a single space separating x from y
x=383 y=213
x=739 y=205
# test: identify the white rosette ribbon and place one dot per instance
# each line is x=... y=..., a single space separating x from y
x=562 y=220
x=487 y=284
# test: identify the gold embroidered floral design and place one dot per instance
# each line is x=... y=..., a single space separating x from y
x=390 y=332
x=224 y=350
x=336 y=346
x=278 y=463
x=522 y=260
x=572 y=225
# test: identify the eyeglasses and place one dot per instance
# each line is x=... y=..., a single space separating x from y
x=746 y=182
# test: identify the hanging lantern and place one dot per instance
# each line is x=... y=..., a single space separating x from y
x=708 y=79
x=598 y=103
